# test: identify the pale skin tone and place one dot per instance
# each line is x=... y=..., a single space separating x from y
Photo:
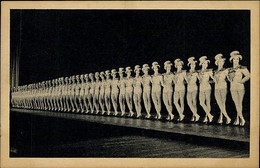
x=114 y=95
x=62 y=96
x=192 y=95
x=122 y=96
x=91 y=94
x=179 y=96
x=205 y=97
x=167 y=91
x=67 y=95
x=86 y=95
x=220 y=95
x=72 y=94
x=129 y=92
x=77 y=91
x=108 y=94
x=96 y=95
x=81 y=94
x=137 y=94
x=156 y=92
x=147 y=93
x=238 y=95
x=53 y=92
x=102 y=94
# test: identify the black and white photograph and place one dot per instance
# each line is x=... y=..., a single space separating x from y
x=130 y=83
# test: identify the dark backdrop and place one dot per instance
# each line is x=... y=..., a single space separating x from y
x=58 y=43
x=54 y=43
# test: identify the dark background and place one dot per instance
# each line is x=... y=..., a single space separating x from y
x=55 y=43
x=58 y=43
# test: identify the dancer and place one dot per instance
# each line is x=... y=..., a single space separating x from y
x=122 y=87
x=87 y=96
x=108 y=92
x=179 y=90
x=168 y=80
x=220 y=76
x=61 y=85
x=192 y=88
x=137 y=83
x=102 y=93
x=96 y=93
x=77 y=94
x=115 y=90
x=91 y=92
x=157 y=81
x=238 y=75
x=81 y=94
x=129 y=90
x=205 y=88
x=71 y=93
x=147 y=90
x=67 y=95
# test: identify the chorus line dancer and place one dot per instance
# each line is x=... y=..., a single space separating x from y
x=102 y=93
x=81 y=94
x=63 y=94
x=157 y=82
x=137 y=83
x=115 y=90
x=122 y=91
x=192 y=88
x=238 y=75
x=146 y=81
x=168 y=80
x=87 y=95
x=220 y=76
x=179 y=90
x=205 y=88
x=67 y=94
x=96 y=93
x=92 y=92
x=108 y=92
x=129 y=90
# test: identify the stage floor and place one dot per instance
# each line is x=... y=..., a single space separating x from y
x=221 y=132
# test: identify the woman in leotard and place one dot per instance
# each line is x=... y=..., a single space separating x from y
x=63 y=93
x=129 y=90
x=67 y=94
x=81 y=93
x=238 y=75
x=87 y=96
x=168 y=80
x=192 y=88
x=96 y=93
x=137 y=83
x=157 y=81
x=179 y=90
x=108 y=92
x=102 y=93
x=77 y=93
x=72 y=93
x=220 y=76
x=205 y=88
x=92 y=92
x=146 y=81
x=122 y=88
x=115 y=90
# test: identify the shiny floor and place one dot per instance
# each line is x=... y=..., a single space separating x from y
x=48 y=134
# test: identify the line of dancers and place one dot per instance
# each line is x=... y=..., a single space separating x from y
x=93 y=93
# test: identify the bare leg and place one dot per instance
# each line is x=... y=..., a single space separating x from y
x=177 y=105
x=114 y=102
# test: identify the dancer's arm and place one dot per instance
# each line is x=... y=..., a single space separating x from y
x=246 y=73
